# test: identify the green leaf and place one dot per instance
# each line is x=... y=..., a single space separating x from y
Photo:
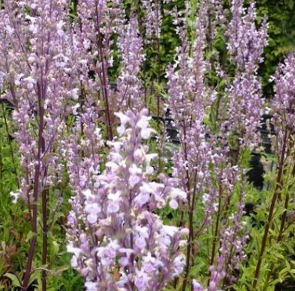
x=290 y=4
x=59 y=270
x=30 y=235
x=54 y=249
x=15 y=281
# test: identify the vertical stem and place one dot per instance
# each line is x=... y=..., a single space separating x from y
x=216 y=226
x=37 y=173
x=34 y=223
x=284 y=218
x=191 y=221
x=45 y=237
x=191 y=231
x=103 y=75
x=1 y=171
x=158 y=75
x=271 y=212
x=106 y=98
x=280 y=236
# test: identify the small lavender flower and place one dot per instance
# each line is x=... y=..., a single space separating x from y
x=197 y=286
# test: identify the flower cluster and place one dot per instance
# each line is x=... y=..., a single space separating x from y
x=117 y=240
x=186 y=86
x=283 y=104
x=245 y=110
x=245 y=46
x=153 y=19
x=81 y=149
x=38 y=71
x=245 y=41
x=233 y=232
x=129 y=86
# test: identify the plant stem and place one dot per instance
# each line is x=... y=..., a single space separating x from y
x=216 y=227
x=37 y=172
x=271 y=212
x=34 y=226
x=158 y=60
x=189 y=246
x=45 y=237
x=103 y=75
x=1 y=172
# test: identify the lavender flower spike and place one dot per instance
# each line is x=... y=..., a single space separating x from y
x=130 y=89
x=117 y=241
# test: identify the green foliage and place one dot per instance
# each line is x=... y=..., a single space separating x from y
x=278 y=259
x=281 y=41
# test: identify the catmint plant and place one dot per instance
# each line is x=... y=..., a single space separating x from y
x=36 y=61
x=55 y=70
x=117 y=239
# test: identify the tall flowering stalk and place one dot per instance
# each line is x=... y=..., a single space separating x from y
x=246 y=41
x=245 y=46
x=38 y=74
x=117 y=240
x=188 y=103
x=283 y=107
x=93 y=29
